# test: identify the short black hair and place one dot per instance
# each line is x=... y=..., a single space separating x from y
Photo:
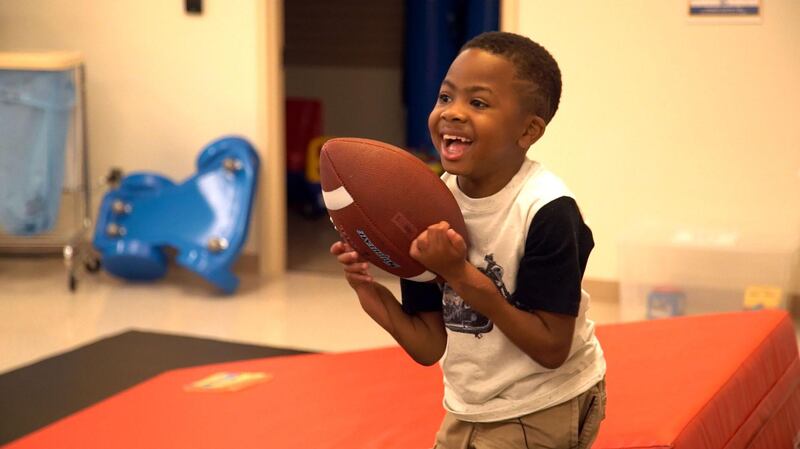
x=533 y=64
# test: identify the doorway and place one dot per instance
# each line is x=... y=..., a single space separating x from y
x=343 y=65
x=345 y=76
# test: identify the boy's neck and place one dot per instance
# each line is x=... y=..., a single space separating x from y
x=481 y=188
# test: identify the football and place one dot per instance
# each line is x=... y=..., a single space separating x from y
x=380 y=198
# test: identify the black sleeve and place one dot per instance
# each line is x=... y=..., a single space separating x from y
x=420 y=296
x=552 y=266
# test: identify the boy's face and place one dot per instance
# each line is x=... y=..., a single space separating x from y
x=478 y=124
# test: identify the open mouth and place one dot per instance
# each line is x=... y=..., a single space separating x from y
x=454 y=147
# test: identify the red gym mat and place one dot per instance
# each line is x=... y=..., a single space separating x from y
x=720 y=381
x=702 y=382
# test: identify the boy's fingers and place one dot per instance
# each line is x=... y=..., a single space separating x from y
x=357 y=257
x=437 y=236
x=349 y=250
x=356 y=267
x=349 y=257
x=421 y=241
x=456 y=239
x=413 y=251
x=441 y=225
x=358 y=277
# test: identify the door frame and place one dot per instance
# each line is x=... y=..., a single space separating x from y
x=272 y=208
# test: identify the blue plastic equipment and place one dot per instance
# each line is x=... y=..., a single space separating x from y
x=205 y=218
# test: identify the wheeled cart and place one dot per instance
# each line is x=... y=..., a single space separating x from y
x=45 y=192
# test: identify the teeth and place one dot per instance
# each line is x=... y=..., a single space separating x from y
x=451 y=137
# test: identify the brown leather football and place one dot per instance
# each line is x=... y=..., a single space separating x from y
x=380 y=198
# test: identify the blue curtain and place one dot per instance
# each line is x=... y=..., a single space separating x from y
x=435 y=30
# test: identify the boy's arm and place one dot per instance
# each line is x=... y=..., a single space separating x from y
x=422 y=335
x=546 y=337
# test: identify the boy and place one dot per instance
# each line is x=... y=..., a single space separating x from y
x=521 y=364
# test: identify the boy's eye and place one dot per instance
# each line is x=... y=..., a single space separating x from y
x=444 y=98
x=479 y=104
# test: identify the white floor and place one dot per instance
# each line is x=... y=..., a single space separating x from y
x=39 y=317
x=309 y=308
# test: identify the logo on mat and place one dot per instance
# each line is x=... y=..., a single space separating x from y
x=381 y=255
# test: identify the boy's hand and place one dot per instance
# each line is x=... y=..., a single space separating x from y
x=440 y=249
x=356 y=269
x=371 y=294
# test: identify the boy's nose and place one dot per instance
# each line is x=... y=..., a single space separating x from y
x=453 y=114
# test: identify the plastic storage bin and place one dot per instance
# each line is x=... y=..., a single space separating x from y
x=674 y=271
x=45 y=194
x=35 y=112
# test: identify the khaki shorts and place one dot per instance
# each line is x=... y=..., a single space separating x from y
x=571 y=425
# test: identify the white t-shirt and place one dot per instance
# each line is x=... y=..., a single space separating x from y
x=530 y=239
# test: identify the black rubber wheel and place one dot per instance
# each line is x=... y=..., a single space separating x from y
x=92 y=265
x=73 y=283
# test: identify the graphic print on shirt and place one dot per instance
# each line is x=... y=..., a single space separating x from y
x=459 y=316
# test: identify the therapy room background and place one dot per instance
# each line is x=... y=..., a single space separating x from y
x=677 y=131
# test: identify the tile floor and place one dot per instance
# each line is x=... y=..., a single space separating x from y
x=310 y=308
x=39 y=317
x=314 y=311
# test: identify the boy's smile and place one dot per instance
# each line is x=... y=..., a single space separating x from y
x=478 y=124
x=454 y=146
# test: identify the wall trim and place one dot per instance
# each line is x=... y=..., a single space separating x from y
x=246 y=264
x=602 y=289
x=509 y=16
x=271 y=200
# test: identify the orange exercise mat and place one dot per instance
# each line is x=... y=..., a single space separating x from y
x=702 y=382
x=719 y=381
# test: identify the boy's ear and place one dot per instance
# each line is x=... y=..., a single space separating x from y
x=533 y=131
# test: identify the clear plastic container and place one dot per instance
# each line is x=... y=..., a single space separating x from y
x=668 y=271
x=37 y=95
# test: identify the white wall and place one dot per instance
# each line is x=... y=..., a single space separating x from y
x=161 y=83
x=664 y=120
